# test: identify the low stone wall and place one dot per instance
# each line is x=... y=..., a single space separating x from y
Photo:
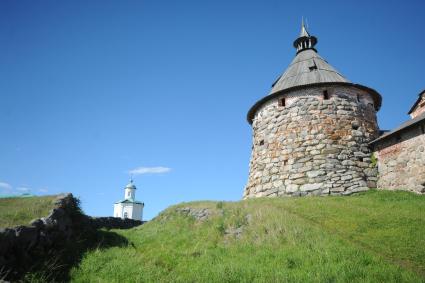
x=114 y=223
x=401 y=161
x=22 y=246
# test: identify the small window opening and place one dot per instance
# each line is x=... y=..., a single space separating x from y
x=262 y=142
x=312 y=66
x=282 y=102
x=125 y=215
x=128 y=194
x=325 y=95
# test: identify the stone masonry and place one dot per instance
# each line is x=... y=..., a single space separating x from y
x=23 y=246
x=401 y=159
x=314 y=144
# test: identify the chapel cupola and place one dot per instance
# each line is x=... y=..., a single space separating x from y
x=305 y=41
x=130 y=190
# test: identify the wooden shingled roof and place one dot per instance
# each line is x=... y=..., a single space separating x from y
x=417 y=102
x=308 y=69
x=406 y=125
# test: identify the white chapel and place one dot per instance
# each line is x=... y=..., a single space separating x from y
x=129 y=207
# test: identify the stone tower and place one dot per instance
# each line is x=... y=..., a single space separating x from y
x=311 y=132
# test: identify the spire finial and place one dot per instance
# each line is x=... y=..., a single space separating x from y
x=304 y=31
x=131 y=178
x=305 y=40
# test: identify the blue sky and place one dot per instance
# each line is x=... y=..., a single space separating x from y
x=91 y=90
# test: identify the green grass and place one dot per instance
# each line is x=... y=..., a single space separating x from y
x=20 y=211
x=373 y=237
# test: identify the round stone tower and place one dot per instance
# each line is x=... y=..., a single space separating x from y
x=311 y=133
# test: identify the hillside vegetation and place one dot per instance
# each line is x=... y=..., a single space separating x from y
x=20 y=211
x=373 y=237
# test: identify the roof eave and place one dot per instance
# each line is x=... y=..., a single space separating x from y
x=251 y=113
x=416 y=102
x=400 y=129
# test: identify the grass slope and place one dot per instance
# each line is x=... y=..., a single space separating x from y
x=374 y=237
x=20 y=211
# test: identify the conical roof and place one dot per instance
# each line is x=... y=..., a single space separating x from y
x=307 y=68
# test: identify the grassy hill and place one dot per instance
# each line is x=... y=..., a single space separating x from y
x=373 y=237
x=21 y=210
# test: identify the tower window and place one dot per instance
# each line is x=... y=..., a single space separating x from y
x=312 y=66
x=325 y=95
x=128 y=194
x=281 y=102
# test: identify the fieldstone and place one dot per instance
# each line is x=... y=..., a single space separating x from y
x=346 y=177
x=310 y=187
x=312 y=174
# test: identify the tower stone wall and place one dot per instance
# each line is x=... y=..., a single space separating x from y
x=314 y=143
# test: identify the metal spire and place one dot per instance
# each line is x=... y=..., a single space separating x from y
x=305 y=40
x=304 y=31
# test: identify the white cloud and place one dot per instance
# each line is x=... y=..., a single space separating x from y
x=23 y=189
x=43 y=190
x=5 y=186
x=149 y=170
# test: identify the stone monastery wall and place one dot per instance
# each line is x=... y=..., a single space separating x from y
x=401 y=161
x=314 y=144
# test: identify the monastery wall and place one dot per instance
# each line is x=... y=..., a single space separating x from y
x=314 y=144
x=401 y=161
